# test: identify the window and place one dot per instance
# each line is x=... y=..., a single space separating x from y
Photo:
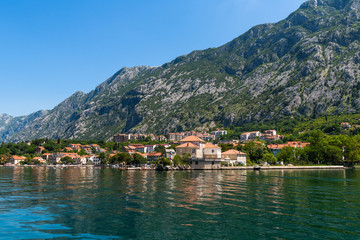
x=212 y=151
x=196 y=163
x=212 y=163
x=193 y=151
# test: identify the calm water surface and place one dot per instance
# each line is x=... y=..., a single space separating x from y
x=88 y=203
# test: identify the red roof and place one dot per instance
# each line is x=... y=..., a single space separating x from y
x=210 y=145
x=187 y=145
x=154 y=154
x=289 y=144
x=233 y=152
x=192 y=139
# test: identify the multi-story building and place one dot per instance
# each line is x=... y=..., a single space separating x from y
x=121 y=138
x=219 y=133
x=203 y=155
x=233 y=156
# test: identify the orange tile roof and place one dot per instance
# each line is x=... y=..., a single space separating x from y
x=154 y=154
x=233 y=152
x=18 y=157
x=289 y=144
x=136 y=145
x=192 y=139
x=210 y=145
x=187 y=145
x=142 y=154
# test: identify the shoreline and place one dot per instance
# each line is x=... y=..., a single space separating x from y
x=251 y=168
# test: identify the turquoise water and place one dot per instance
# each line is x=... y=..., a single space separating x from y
x=88 y=203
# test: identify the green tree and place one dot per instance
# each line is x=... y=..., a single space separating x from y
x=4 y=158
x=351 y=151
x=67 y=160
x=138 y=159
x=286 y=155
x=226 y=146
x=160 y=149
x=103 y=158
x=82 y=152
x=316 y=149
x=177 y=160
x=163 y=162
x=121 y=158
x=255 y=151
x=269 y=158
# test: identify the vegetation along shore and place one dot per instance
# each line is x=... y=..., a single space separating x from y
x=215 y=149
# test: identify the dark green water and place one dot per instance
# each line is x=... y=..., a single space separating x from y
x=87 y=203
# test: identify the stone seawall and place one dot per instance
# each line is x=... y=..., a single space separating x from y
x=282 y=167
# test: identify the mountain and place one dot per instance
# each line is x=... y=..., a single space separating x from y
x=305 y=65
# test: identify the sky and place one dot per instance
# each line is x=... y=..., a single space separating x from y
x=49 y=49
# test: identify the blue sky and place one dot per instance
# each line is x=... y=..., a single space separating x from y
x=50 y=49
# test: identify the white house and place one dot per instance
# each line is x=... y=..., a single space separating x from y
x=233 y=156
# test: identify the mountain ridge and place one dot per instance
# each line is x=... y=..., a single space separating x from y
x=304 y=65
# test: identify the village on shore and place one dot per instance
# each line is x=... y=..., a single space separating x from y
x=186 y=150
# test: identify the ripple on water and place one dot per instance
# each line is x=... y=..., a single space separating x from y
x=107 y=203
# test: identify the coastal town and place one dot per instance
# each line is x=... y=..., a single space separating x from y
x=190 y=150
x=195 y=150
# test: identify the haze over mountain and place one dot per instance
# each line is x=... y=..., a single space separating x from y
x=305 y=65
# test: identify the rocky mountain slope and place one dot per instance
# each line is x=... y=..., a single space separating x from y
x=305 y=65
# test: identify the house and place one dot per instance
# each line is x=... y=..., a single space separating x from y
x=179 y=136
x=75 y=147
x=87 y=149
x=276 y=148
x=40 y=159
x=219 y=133
x=138 y=147
x=345 y=125
x=250 y=135
x=189 y=148
x=96 y=160
x=153 y=157
x=102 y=150
x=39 y=150
x=68 y=149
x=203 y=155
x=46 y=156
x=212 y=151
x=233 y=156
x=96 y=147
x=121 y=138
x=56 y=157
x=271 y=132
x=269 y=137
x=87 y=159
x=17 y=159
x=150 y=148
x=162 y=138
x=244 y=136
x=254 y=135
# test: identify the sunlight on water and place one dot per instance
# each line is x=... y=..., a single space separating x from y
x=89 y=203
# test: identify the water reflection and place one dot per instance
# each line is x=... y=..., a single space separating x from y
x=70 y=202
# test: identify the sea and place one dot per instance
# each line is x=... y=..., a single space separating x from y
x=105 y=203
